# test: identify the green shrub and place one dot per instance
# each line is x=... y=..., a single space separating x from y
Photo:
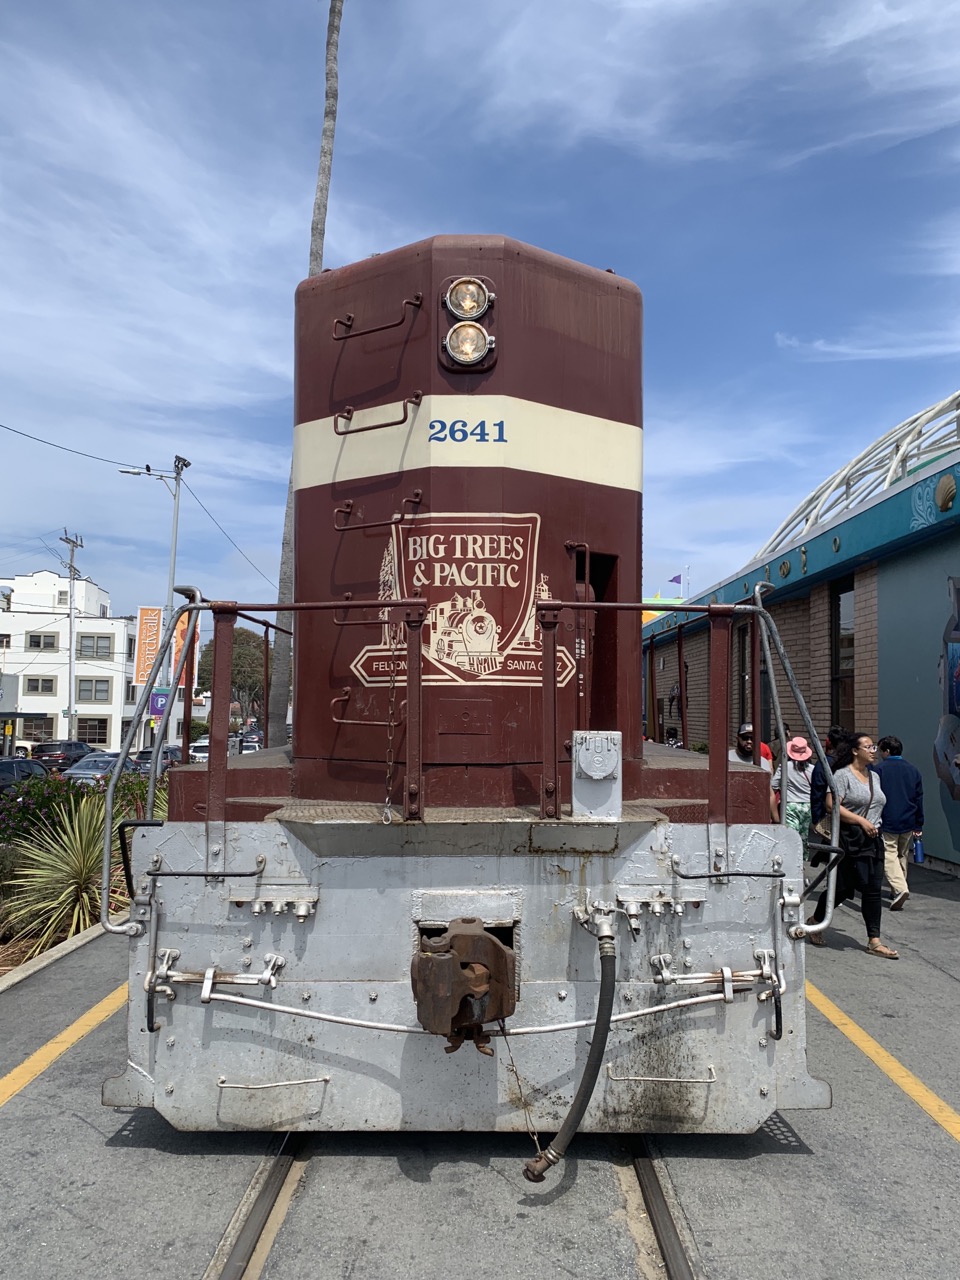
x=30 y=802
x=54 y=891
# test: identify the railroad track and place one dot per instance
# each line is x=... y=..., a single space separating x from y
x=247 y=1241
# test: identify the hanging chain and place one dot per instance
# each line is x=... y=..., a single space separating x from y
x=391 y=706
x=527 y=1113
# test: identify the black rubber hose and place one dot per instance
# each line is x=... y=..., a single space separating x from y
x=534 y=1170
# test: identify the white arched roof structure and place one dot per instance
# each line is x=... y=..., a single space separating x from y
x=906 y=448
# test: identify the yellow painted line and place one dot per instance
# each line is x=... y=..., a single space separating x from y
x=37 y=1063
x=914 y=1088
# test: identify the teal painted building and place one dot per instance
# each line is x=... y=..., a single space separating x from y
x=864 y=585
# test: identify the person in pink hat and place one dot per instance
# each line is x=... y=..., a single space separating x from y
x=793 y=782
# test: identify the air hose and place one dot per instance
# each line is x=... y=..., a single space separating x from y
x=534 y=1170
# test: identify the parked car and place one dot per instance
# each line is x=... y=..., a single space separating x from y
x=169 y=756
x=60 y=754
x=97 y=767
x=14 y=769
x=200 y=751
x=21 y=748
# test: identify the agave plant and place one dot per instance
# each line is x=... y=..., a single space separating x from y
x=55 y=890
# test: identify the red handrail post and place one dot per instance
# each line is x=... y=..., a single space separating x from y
x=189 y=668
x=682 y=683
x=413 y=782
x=224 y=622
x=755 y=684
x=550 y=777
x=263 y=717
x=717 y=771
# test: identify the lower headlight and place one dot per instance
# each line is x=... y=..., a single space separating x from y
x=468 y=342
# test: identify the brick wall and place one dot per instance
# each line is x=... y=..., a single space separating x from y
x=866 y=670
x=804 y=627
x=792 y=619
x=817 y=687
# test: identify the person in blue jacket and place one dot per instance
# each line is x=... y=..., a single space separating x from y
x=902 y=818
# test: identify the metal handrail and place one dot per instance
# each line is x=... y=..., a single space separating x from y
x=412 y=612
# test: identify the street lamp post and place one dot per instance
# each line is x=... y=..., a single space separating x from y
x=180 y=465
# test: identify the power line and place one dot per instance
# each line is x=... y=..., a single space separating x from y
x=227 y=536
x=50 y=443
x=113 y=463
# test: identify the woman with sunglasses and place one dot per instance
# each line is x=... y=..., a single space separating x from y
x=861 y=803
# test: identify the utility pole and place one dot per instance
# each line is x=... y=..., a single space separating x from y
x=180 y=465
x=74 y=544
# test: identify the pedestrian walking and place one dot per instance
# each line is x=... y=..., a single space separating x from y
x=861 y=869
x=792 y=780
x=902 y=815
x=818 y=780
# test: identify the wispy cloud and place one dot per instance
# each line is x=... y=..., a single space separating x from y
x=717 y=482
x=911 y=342
x=687 y=80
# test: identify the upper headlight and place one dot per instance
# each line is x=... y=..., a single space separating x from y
x=468 y=298
x=468 y=342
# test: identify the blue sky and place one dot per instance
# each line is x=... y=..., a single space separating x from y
x=780 y=180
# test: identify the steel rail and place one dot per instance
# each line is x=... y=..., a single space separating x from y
x=256 y=1215
x=672 y=1251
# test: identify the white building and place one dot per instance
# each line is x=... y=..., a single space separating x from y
x=35 y=646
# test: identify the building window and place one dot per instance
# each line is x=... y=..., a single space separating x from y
x=38 y=728
x=41 y=684
x=93 y=731
x=93 y=690
x=103 y=611
x=46 y=641
x=94 y=646
x=131 y=647
x=4 y=641
x=842 y=653
x=63 y=597
x=131 y=692
x=180 y=693
x=124 y=729
x=179 y=728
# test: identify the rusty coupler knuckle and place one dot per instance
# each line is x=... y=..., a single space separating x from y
x=462 y=978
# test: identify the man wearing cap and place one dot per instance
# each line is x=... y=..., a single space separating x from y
x=795 y=790
x=742 y=753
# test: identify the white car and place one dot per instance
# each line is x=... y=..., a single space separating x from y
x=199 y=751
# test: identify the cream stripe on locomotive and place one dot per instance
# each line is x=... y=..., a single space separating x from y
x=472 y=431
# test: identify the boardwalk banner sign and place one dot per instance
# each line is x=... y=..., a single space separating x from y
x=149 y=629
x=180 y=637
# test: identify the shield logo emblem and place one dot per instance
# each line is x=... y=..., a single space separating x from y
x=477 y=574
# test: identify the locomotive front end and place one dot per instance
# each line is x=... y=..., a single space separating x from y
x=466 y=897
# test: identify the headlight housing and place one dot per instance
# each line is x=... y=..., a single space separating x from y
x=468 y=298
x=468 y=342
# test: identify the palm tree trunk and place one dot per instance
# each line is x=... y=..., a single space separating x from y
x=280 y=682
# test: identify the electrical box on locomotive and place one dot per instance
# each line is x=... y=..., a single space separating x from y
x=468 y=896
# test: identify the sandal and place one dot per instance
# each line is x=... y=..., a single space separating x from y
x=876 y=948
x=816 y=938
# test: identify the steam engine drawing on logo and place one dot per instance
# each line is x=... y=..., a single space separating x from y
x=467 y=896
x=478 y=576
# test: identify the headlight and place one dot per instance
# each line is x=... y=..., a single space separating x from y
x=468 y=342
x=468 y=298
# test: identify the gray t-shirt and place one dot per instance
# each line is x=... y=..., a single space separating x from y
x=798 y=782
x=855 y=795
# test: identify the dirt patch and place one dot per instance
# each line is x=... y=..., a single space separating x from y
x=12 y=954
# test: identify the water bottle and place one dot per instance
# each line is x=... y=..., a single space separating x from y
x=917 y=849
